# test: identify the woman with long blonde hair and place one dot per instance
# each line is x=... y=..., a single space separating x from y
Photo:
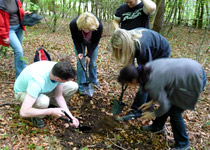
x=86 y=31
x=141 y=45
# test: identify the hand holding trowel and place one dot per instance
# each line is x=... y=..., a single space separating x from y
x=80 y=127
x=88 y=86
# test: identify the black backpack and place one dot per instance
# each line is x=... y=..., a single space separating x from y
x=41 y=54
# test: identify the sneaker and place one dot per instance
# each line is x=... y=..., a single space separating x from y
x=183 y=148
x=153 y=129
x=133 y=114
x=38 y=122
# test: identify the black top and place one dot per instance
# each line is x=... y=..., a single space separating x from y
x=153 y=46
x=132 y=18
x=78 y=37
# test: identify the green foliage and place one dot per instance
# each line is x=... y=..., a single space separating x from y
x=32 y=7
x=31 y=146
x=5 y=148
x=5 y=52
x=4 y=135
x=26 y=60
x=118 y=137
x=40 y=147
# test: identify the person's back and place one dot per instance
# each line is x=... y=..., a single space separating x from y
x=181 y=78
x=152 y=43
x=35 y=77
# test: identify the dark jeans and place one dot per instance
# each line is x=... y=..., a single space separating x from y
x=177 y=124
x=141 y=98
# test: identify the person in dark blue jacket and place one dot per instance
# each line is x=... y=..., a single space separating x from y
x=86 y=31
x=141 y=45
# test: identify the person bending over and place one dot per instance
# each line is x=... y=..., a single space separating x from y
x=140 y=45
x=175 y=84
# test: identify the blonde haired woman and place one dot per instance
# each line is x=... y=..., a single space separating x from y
x=143 y=44
x=86 y=31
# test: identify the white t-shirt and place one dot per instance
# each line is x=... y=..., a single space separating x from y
x=34 y=79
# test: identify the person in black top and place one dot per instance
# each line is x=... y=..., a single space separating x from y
x=86 y=31
x=134 y=14
x=141 y=44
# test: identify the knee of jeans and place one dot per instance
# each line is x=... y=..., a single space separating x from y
x=42 y=101
x=70 y=88
x=92 y=64
x=176 y=117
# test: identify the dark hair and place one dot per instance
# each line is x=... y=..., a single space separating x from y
x=64 y=70
x=130 y=72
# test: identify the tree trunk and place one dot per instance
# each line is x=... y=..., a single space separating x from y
x=54 y=17
x=200 y=21
x=80 y=2
x=180 y=11
x=159 y=18
x=196 y=15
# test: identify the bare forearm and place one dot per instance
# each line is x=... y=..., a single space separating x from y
x=62 y=104
x=116 y=24
x=34 y=112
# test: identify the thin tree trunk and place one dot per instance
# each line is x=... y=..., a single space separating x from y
x=200 y=21
x=80 y=2
x=180 y=11
x=200 y=49
x=159 y=16
x=197 y=12
x=54 y=17
x=174 y=19
x=169 y=17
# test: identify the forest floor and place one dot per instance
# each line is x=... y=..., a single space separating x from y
x=19 y=133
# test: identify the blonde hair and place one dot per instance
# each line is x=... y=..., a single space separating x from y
x=123 y=45
x=87 y=21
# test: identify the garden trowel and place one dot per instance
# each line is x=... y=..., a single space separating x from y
x=80 y=127
x=118 y=104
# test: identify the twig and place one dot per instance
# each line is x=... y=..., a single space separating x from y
x=8 y=82
x=6 y=104
x=115 y=144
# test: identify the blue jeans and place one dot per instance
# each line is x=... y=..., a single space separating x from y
x=140 y=98
x=15 y=39
x=177 y=124
x=81 y=79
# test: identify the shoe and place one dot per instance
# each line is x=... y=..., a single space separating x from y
x=38 y=122
x=133 y=114
x=184 y=148
x=82 y=93
x=153 y=129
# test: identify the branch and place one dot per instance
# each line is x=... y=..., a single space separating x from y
x=115 y=144
x=6 y=104
x=8 y=82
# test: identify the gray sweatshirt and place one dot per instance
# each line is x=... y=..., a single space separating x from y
x=174 y=81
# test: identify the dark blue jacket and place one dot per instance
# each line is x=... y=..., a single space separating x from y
x=153 y=46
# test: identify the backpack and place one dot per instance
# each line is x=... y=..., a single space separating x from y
x=41 y=54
